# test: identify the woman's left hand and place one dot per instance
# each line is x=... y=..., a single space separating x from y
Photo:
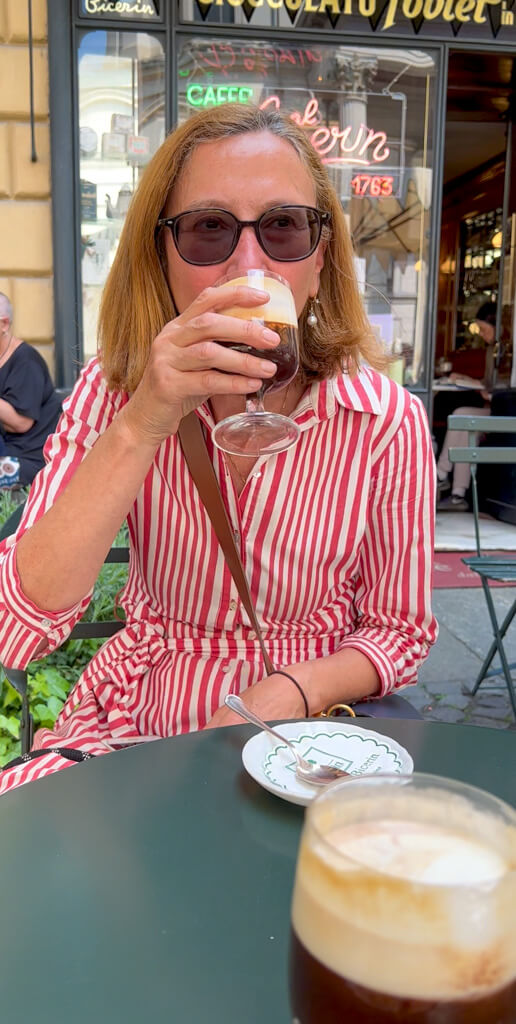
x=272 y=698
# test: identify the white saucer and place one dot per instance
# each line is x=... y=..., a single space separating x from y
x=356 y=750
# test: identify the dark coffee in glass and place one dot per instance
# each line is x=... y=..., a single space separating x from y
x=404 y=906
x=258 y=431
x=285 y=357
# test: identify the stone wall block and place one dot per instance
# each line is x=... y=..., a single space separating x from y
x=25 y=238
x=7 y=284
x=5 y=170
x=17 y=19
x=15 y=90
x=47 y=351
x=32 y=300
x=29 y=179
x=3 y=21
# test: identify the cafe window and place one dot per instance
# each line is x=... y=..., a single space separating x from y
x=368 y=114
x=121 y=124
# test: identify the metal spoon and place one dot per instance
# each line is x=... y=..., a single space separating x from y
x=306 y=771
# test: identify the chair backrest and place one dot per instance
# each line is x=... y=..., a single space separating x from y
x=475 y=454
x=63 y=393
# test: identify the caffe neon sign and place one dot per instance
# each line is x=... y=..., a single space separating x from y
x=213 y=95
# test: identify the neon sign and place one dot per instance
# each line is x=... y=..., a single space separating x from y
x=213 y=95
x=129 y=8
x=226 y=56
x=338 y=146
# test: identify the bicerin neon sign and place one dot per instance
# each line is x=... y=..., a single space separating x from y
x=121 y=8
x=360 y=146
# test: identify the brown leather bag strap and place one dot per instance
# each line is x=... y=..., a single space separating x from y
x=193 y=443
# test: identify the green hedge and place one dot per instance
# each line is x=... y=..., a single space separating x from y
x=51 y=679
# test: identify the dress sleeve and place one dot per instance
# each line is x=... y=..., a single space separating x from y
x=396 y=627
x=27 y=631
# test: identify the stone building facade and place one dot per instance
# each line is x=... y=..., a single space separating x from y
x=25 y=186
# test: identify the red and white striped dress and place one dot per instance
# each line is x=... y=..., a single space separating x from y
x=336 y=536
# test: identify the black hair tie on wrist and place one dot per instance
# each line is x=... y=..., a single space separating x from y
x=279 y=672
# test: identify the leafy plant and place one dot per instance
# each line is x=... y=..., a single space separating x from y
x=51 y=679
x=9 y=500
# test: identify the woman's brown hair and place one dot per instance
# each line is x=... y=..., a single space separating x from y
x=136 y=303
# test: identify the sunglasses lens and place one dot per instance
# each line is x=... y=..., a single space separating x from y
x=205 y=237
x=289 y=232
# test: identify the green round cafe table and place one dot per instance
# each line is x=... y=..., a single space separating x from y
x=154 y=884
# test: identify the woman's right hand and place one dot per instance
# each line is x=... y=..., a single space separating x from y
x=186 y=365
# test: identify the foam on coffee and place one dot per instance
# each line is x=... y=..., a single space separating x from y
x=411 y=909
x=280 y=308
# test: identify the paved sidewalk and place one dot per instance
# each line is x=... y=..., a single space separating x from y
x=464 y=639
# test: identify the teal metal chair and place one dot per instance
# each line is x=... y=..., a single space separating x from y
x=489 y=567
x=83 y=630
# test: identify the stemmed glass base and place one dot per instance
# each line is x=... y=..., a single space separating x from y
x=255 y=433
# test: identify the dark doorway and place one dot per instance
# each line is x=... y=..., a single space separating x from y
x=476 y=264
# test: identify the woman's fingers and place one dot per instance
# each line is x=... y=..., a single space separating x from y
x=210 y=382
x=202 y=319
x=217 y=327
x=210 y=355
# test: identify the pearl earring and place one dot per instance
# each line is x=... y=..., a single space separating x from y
x=311 y=319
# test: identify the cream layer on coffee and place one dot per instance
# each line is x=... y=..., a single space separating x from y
x=410 y=909
x=280 y=308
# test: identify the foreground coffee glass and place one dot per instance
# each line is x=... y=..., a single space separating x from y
x=256 y=431
x=404 y=905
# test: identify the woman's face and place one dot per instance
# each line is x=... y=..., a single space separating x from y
x=246 y=175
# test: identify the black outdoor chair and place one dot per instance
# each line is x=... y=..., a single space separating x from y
x=83 y=630
x=489 y=567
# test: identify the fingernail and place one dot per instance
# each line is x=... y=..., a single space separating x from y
x=267 y=366
x=271 y=336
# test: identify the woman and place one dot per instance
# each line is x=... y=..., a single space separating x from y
x=29 y=406
x=335 y=533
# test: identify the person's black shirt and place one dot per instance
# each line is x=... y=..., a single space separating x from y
x=26 y=384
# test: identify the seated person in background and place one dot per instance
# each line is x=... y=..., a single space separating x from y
x=29 y=405
x=460 y=473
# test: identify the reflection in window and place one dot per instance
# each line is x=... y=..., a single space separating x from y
x=122 y=123
x=367 y=114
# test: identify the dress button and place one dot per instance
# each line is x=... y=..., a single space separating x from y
x=225 y=668
x=257 y=474
x=233 y=606
x=46 y=623
x=251 y=635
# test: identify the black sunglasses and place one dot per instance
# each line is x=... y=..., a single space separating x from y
x=286 y=233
